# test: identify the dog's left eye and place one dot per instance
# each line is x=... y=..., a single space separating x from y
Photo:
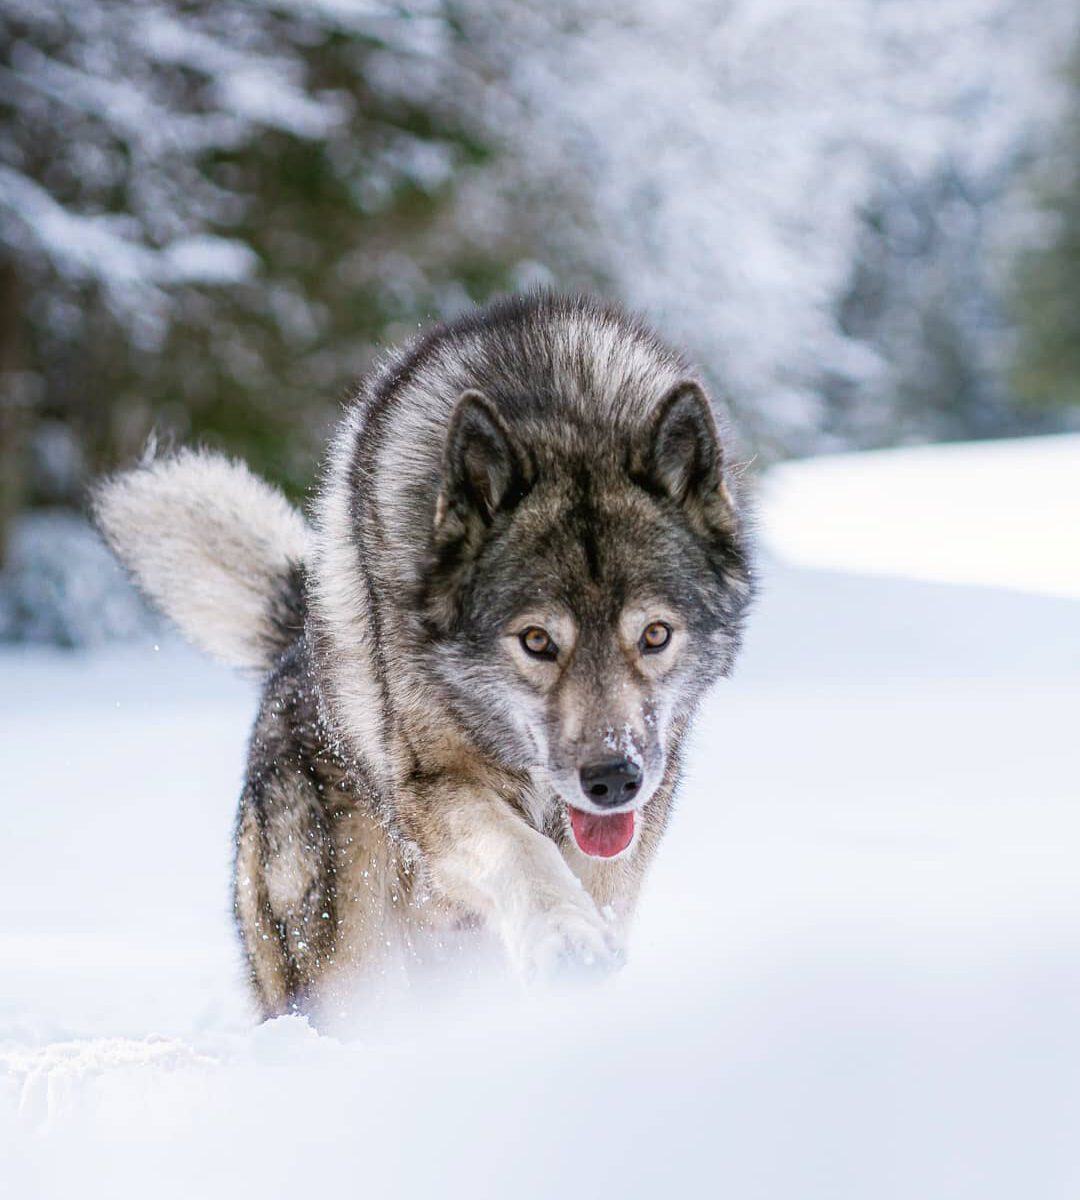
x=538 y=643
x=656 y=637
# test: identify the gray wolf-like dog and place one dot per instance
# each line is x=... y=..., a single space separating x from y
x=526 y=563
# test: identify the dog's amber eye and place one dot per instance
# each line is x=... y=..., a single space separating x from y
x=656 y=637
x=538 y=643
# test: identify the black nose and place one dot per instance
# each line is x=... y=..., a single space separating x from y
x=613 y=782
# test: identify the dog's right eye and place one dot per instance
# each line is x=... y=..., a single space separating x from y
x=538 y=643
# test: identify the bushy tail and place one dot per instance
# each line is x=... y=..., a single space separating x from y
x=217 y=549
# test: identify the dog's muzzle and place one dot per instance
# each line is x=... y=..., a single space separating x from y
x=606 y=827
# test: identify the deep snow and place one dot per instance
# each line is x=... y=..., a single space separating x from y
x=855 y=972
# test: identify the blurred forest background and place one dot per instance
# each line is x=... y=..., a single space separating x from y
x=861 y=216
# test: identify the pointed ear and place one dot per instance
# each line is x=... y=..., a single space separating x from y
x=683 y=459
x=484 y=469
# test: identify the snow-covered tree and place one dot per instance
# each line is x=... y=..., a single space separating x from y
x=729 y=167
x=210 y=210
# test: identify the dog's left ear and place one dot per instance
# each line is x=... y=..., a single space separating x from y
x=682 y=456
x=484 y=469
x=682 y=459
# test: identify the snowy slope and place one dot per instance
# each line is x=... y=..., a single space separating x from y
x=855 y=974
x=1004 y=514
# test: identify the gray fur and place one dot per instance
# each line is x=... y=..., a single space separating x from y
x=546 y=461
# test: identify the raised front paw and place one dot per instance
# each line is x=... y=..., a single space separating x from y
x=566 y=940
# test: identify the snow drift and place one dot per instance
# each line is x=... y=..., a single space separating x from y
x=854 y=972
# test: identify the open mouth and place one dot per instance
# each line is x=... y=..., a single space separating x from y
x=601 y=835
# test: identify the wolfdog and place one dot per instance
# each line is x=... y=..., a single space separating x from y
x=526 y=564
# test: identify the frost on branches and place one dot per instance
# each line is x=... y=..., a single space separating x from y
x=115 y=110
x=741 y=170
x=204 y=212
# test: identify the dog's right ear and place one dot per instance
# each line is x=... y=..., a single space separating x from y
x=484 y=469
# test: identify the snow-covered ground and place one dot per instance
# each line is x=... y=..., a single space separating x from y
x=1004 y=514
x=856 y=971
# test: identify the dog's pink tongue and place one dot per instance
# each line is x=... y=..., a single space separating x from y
x=602 y=836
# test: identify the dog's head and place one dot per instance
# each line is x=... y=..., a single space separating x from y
x=587 y=584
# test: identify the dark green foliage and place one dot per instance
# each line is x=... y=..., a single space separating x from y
x=351 y=228
x=1047 y=294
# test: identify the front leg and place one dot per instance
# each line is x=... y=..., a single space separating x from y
x=482 y=854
